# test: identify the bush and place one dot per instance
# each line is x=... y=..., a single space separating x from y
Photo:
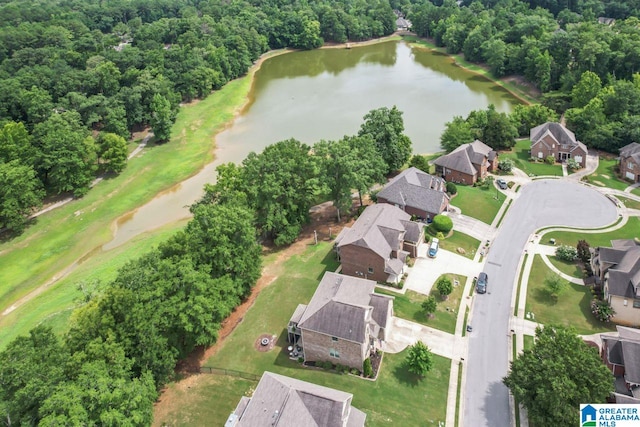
x=440 y=235
x=419 y=162
x=572 y=164
x=427 y=238
x=442 y=223
x=602 y=310
x=566 y=253
x=550 y=160
x=510 y=184
x=505 y=165
x=582 y=251
x=367 y=369
x=451 y=188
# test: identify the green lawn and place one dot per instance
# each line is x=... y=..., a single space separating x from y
x=408 y=306
x=573 y=269
x=528 y=342
x=605 y=175
x=412 y=399
x=630 y=230
x=77 y=230
x=572 y=307
x=479 y=203
x=520 y=156
x=461 y=240
x=629 y=203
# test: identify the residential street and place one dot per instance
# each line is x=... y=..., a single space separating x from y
x=540 y=203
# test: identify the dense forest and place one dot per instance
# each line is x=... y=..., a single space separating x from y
x=78 y=77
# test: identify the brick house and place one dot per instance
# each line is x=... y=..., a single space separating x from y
x=553 y=139
x=621 y=354
x=377 y=245
x=617 y=270
x=344 y=322
x=467 y=163
x=630 y=162
x=287 y=402
x=417 y=193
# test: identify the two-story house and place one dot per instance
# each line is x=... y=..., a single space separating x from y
x=467 y=163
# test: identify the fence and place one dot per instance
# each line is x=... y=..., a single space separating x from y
x=228 y=372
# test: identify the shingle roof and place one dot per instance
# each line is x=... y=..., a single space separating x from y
x=631 y=355
x=416 y=189
x=287 y=402
x=377 y=228
x=464 y=157
x=342 y=307
x=624 y=276
x=631 y=150
x=552 y=131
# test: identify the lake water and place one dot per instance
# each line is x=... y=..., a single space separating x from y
x=324 y=94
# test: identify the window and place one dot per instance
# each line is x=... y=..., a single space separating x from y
x=540 y=154
x=334 y=339
x=630 y=165
x=370 y=270
x=636 y=303
x=334 y=353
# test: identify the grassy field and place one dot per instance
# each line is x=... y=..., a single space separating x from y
x=573 y=269
x=630 y=230
x=572 y=308
x=605 y=175
x=629 y=203
x=528 y=342
x=520 y=156
x=479 y=203
x=55 y=306
x=296 y=284
x=77 y=230
x=460 y=240
x=408 y=306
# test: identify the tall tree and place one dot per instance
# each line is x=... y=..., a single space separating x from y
x=456 y=133
x=500 y=133
x=66 y=158
x=586 y=89
x=386 y=127
x=558 y=374
x=419 y=360
x=20 y=192
x=112 y=152
x=162 y=117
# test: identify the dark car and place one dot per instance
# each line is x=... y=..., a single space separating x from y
x=481 y=283
x=502 y=184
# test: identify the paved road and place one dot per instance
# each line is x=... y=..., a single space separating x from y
x=541 y=203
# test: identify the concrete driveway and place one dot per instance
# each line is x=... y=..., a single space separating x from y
x=541 y=203
x=425 y=271
x=405 y=333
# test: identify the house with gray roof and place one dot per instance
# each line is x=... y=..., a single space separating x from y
x=287 y=402
x=377 y=245
x=344 y=322
x=553 y=139
x=417 y=193
x=617 y=271
x=630 y=162
x=621 y=353
x=467 y=163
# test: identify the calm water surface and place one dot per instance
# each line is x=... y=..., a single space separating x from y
x=324 y=94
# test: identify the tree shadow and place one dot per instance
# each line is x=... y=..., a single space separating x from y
x=402 y=374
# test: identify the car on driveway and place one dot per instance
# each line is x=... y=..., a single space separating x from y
x=481 y=283
x=433 y=248
x=502 y=183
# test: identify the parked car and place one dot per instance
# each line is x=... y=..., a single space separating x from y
x=481 y=283
x=502 y=184
x=433 y=248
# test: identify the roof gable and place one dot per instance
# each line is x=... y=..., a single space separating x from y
x=465 y=158
x=416 y=189
x=552 y=132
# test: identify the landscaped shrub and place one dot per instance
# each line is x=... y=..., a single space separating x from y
x=505 y=165
x=440 y=235
x=582 y=251
x=550 y=160
x=427 y=238
x=572 y=164
x=602 y=310
x=367 y=369
x=566 y=253
x=442 y=223
x=510 y=184
x=451 y=188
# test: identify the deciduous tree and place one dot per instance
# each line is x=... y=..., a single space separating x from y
x=385 y=126
x=419 y=359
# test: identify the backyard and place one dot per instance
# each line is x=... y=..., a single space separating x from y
x=571 y=308
x=296 y=282
x=521 y=159
x=477 y=202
